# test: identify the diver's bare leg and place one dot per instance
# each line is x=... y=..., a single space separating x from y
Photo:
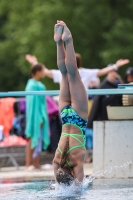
x=77 y=91
x=64 y=97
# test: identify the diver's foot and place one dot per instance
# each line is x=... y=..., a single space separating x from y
x=66 y=36
x=58 y=30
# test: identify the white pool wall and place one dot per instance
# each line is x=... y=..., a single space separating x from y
x=113 y=147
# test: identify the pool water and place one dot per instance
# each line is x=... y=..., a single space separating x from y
x=39 y=190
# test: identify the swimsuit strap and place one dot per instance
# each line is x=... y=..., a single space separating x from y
x=66 y=160
x=74 y=125
x=74 y=147
x=59 y=150
x=74 y=136
x=68 y=163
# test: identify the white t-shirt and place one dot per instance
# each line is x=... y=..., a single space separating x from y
x=86 y=75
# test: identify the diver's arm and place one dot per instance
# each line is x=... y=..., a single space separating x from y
x=78 y=172
x=56 y=167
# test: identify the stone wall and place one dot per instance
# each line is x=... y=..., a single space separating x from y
x=113 y=149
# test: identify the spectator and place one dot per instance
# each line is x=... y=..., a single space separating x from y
x=98 y=111
x=127 y=100
x=129 y=75
x=37 y=127
x=87 y=75
x=100 y=102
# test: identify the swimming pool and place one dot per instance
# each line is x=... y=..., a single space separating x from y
x=39 y=190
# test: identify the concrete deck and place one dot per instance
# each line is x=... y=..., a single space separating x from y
x=13 y=173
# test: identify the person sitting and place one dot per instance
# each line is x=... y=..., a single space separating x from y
x=99 y=112
x=127 y=100
x=129 y=75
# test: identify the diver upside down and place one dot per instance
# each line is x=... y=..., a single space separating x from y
x=73 y=103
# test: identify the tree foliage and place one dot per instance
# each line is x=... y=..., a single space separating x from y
x=102 y=32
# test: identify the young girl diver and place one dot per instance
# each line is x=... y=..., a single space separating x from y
x=73 y=103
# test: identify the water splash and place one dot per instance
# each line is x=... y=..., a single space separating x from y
x=101 y=173
x=76 y=191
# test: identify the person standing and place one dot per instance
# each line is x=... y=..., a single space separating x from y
x=37 y=125
x=87 y=75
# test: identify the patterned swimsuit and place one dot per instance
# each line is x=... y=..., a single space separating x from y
x=69 y=116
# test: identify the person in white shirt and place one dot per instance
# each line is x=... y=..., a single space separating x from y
x=87 y=75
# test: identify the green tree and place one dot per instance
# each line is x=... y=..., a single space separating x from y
x=102 y=32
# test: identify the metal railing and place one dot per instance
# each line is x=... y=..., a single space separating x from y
x=56 y=92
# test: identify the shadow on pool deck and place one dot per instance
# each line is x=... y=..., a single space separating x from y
x=13 y=173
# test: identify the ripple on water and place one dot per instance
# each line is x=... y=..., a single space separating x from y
x=39 y=190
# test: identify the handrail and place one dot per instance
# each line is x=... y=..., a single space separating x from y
x=56 y=92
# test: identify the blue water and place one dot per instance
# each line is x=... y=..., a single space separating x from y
x=39 y=190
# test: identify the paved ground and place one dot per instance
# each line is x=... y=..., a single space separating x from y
x=13 y=173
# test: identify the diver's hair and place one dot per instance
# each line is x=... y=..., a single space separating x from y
x=36 y=68
x=79 y=60
x=64 y=154
x=63 y=174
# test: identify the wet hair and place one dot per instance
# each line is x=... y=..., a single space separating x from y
x=63 y=174
x=36 y=68
x=79 y=60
